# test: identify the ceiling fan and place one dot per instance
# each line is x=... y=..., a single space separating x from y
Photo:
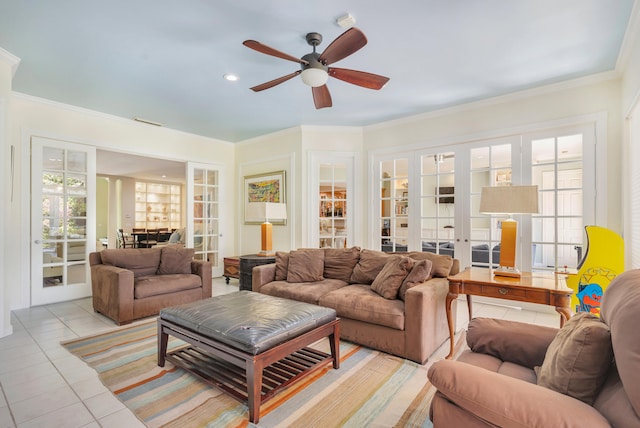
x=315 y=69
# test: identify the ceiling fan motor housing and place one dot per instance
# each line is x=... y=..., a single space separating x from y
x=313 y=62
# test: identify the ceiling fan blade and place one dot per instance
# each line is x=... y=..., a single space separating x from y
x=321 y=96
x=257 y=46
x=344 y=45
x=275 y=82
x=360 y=78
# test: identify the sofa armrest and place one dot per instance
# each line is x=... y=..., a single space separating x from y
x=262 y=275
x=502 y=400
x=520 y=343
x=204 y=270
x=425 y=318
x=112 y=289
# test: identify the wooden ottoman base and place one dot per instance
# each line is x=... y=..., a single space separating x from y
x=246 y=377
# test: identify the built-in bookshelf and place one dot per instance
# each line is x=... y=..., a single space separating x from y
x=158 y=205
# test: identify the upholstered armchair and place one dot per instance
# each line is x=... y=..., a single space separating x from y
x=522 y=375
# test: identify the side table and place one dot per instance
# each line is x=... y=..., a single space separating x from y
x=545 y=289
x=231 y=268
x=247 y=263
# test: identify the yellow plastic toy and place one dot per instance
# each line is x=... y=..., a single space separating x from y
x=603 y=261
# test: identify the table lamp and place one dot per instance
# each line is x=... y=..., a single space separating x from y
x=267 y=211
x=509 y=200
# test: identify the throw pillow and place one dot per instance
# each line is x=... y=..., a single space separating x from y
x=141 y=261
x=420 y=273
x=282 y=265
x=389 y=280
x=339 y=262
x=306 y=265
x=578 y=359
x=369 y=266
x=175 y=259
x=442 y=264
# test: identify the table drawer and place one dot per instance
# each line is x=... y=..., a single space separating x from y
x=503 y=292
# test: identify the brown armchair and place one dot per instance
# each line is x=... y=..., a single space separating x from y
x=495 y=384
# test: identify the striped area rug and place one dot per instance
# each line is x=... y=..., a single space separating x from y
x=371 y=388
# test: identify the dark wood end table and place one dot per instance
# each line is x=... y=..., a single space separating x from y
x=545 y=289
x=247 y=263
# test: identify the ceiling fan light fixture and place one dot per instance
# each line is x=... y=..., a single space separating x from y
x=314 y=77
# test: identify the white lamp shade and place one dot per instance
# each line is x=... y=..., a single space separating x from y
x=314 y=77
x=265 y=211
x=509 y=200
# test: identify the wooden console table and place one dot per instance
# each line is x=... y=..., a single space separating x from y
x=546 y=289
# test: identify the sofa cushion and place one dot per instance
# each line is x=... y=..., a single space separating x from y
x=282 y=265
x=154 y=285
x=578 y=359
x=339 y=262
x=368 y=267
x=141 y=261
x=420 y=273
x=360 y=302
x=303 y=292
x=175 y=259
x=389 y=280
x=306 y=265
x=442 y=264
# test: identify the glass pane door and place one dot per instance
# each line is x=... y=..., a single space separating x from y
x=490 y=166
x=63 y=219
x=394 y=202
x=437 y=199
x=558 y=231
x=333 y=209
x=204 y=231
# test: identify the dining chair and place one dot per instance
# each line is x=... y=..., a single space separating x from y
x=125 y=241
x=150 y=240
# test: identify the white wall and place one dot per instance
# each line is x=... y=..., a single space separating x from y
x=33 y=116
x=8 y=65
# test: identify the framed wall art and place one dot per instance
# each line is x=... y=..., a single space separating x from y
x=268 y=187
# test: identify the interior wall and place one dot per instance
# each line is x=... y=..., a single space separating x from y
x=270 y=153
x=7 y=65
x=526 y=110
x=102 y=208
x=35 y=116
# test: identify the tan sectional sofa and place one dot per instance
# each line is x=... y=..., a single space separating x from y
x=133 y=283
x=391 y=302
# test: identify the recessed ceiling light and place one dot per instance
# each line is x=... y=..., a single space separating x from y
x=164 y=176
x=230 y=77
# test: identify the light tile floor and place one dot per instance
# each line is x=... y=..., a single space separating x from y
x=43 y=385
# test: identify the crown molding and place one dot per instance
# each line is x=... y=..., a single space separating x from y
x=502 y=99
x=106 y=116
x=11 y=60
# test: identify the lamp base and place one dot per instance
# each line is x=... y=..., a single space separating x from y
x=266 y=254
x=507 y=271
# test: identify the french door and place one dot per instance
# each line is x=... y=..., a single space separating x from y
x=62 y=220
x=429 y=199
x=204 y=229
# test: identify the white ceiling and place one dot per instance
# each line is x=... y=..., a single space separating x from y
x=140 y=167
x=163 y=60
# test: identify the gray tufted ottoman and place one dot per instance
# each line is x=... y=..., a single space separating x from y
x=248 y=344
